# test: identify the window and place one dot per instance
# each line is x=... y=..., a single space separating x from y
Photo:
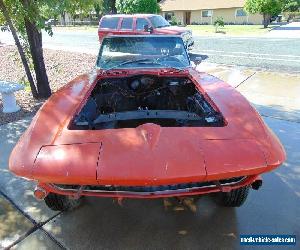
x=240 y=12
x=207 y=13
x=158 y=22
x=109 y=23
x=127 y=23
x=159 y=50
x=169 y=15
x=140 y=22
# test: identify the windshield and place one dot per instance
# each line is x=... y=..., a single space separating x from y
x=159 y=22
x=142 y=52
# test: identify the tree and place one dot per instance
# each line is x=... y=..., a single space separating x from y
x=104 y=7
x=219 y=23
x=26 y=20
x=137 y=6
x=84 y=7
x=291 y=8
x=81 y=7
x=291 y=5
x=56 y=8
x=267 y=8
x=34 y=38
x=111 y=5
x=7 y=16
x=98 y=7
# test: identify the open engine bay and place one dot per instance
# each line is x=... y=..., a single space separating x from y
x=132 y=101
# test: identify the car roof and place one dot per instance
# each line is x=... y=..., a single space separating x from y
x=130 y=15
x=132 y=35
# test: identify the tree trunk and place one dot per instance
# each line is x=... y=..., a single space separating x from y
x=36 y=49
x=20 y=49
x=266 y=20
x=63 y=18
x=113 y=7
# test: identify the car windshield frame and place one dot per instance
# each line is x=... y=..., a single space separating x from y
x=138 y=59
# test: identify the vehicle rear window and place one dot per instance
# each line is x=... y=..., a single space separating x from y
x=140 y=22
x=109 y=23
x=127 y=24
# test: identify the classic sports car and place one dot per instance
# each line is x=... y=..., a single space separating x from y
x=145 y=124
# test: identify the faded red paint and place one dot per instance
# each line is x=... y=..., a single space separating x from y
x=49 y=152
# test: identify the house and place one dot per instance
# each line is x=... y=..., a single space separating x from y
x=207 y=11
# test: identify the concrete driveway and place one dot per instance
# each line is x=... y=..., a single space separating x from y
x=145 y=224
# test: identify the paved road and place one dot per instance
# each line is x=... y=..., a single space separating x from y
x=278 y=50
x=277 y=54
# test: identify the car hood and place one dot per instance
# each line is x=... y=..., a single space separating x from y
x=149 y=155
x=149 y=151
x=173 y=29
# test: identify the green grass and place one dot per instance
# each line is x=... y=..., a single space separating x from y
x=231 y=30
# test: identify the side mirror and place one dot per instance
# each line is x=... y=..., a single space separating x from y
x=198 y=60
x=148 y=29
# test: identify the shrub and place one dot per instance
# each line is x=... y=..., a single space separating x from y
x=173 y=21
x=137 y=6
x=219 y=23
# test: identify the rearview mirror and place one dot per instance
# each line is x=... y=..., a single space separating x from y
x=198 y=60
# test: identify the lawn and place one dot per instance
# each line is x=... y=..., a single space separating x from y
x=232 y=30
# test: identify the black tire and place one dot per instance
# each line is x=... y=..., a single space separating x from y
x=235 y=198
x=58 y=202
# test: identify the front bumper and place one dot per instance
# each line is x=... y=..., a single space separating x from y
x=151 y=192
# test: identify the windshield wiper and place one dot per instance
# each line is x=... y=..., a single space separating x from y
x=128 y=62
x=143 y=61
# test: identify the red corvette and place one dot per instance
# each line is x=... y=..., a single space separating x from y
x=145 y=124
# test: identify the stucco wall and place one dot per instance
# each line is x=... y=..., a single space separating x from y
x=179 y=16
x=256 y=19
x=229 y=16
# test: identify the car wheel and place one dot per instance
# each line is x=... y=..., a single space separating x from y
x=234 y=198
x=58 y=202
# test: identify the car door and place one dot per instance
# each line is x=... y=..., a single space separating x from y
x=139 y=26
